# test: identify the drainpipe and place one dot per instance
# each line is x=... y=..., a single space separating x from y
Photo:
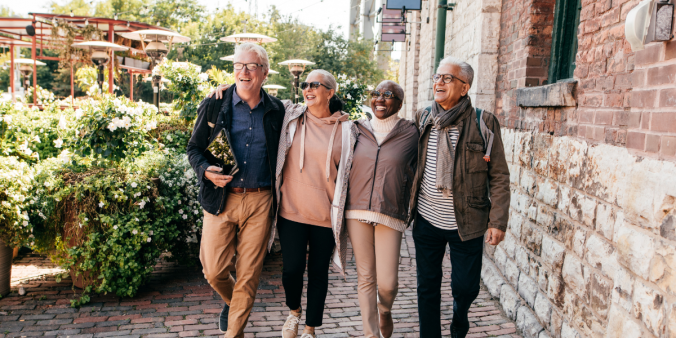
x=443 y=7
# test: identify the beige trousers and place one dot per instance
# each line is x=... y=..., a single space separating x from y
x=242 y=228
x=376 y=250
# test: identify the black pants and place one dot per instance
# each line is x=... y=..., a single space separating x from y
x=294 y=238
x=430 y=246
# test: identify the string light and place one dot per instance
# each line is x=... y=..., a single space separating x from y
x=71 y=13
x=115 y=16
x=86 y=22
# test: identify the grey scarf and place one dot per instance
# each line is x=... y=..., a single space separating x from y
x=443 y=121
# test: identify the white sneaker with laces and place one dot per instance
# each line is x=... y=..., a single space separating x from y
x=290 y=328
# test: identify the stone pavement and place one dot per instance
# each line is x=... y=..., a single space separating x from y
x=178 y=302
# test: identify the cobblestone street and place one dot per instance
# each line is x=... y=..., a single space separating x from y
x=178 y=302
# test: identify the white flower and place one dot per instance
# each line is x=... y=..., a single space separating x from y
x=115 y=227
x=195 y=211
x=126 y=122
x=86 y=219
x=149 y=239
x=203 y=77
x=349 y=97
x=58 y=143
x=142 y=204
x=151 y=233
x=112 y=126
x=134 y=185
x=179 y=202
x=180 y=211
x=101 y=204
x=185 y=216
x=25 y=223
x=79 y=113
x=136 y=219
x=134 y=231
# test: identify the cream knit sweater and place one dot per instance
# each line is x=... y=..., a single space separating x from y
x=380 y=129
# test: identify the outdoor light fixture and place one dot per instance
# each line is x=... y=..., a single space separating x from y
x=156 y=49
x=273 y=88
x=230 y=58
x=100 y=54
x=296 y=67
x=26 y=68
x=248 y=37
x=270 y=71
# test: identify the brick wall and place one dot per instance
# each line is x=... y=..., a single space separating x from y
x=409 y=77
x=525 y=44
x=590 y=250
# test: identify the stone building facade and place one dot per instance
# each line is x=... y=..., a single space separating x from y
x=590 y=249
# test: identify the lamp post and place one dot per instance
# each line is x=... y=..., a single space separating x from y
x=273 y=88
x=101 y=51
x=296 y=67
x=156 y=50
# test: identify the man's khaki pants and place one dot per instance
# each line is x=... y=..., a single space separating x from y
x=376 y=250
x=242 y=228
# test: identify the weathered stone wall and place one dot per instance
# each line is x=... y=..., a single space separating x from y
x=591 y=243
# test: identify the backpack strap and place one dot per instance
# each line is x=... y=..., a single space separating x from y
x=479 y=116
x=423 y=119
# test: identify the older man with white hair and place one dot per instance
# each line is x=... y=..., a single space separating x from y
x=460 y=193
x=237 y=199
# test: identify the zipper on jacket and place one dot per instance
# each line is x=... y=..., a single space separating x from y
x=373 y=182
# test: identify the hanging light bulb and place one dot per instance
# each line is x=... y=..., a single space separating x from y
x=54 y=22
x=115 y=16
x=127 y=24
x=86 y=22
x=71 y=13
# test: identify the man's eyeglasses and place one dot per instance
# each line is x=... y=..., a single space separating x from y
x=249 y=66
x=448 y=78
x=313 y=85
x=386 y=94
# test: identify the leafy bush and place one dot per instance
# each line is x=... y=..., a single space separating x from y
x=111 y=224
x=16 y=178
x=188 y=84
x=353 y=94
x=31 y=134
x=113 y=128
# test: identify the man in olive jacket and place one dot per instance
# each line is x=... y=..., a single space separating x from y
x=460 y=193
x=237 y=200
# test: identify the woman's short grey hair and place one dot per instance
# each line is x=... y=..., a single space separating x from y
x=329 y=80
x=466 y=71
x=258 y=50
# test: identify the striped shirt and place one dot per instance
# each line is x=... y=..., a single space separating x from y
x=432 y=205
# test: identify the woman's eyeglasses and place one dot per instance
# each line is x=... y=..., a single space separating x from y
x=448 y=78
x=313 y=85
x=386 y=95
x=249 y=66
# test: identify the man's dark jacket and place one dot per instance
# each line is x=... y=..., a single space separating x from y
x=215 y=115
x=480 y=189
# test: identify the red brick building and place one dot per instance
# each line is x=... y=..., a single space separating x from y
x=590 y=133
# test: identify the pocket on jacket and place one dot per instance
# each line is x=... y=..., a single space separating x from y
x=477 y=212
x=475 y=158
x=311 y=204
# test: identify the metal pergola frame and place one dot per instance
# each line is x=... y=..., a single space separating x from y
x=13 y=33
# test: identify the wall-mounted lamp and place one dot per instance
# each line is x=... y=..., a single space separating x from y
x=649 y=21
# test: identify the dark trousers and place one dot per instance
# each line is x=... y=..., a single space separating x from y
x=430 y=246
x=294 y=238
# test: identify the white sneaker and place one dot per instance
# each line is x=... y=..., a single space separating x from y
x=290 y=328
x=308 y=335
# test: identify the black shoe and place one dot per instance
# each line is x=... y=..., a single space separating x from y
x=223 y=322
x=454 y=332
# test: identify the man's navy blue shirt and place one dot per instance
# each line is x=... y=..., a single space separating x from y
x=248 y=145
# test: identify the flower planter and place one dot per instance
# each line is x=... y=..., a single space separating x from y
x=145 y=65
x=129 y=62
x=5 y=268
x=75 y=237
